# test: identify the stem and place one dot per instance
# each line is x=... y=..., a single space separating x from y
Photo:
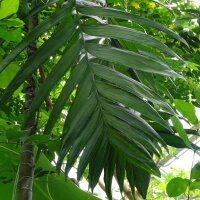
x=188 y=195
x=27 y=163
x=190 y=180
x=26 y=172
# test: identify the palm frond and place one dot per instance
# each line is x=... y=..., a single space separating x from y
x=105 y=124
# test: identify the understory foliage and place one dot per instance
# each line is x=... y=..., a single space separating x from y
x=102 y=65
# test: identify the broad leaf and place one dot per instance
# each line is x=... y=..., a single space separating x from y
x=179 y=128
x=6 y=9
x=195 y=173
x=177 y=186
x=195 y=185
x=187 y=110
x=47 y=185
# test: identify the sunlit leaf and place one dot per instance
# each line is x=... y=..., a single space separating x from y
x=6 y=9
x=195 y=173
x=177 y=186
x=187 y=110
x=179 y=128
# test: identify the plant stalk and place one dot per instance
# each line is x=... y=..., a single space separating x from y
x=27 y=163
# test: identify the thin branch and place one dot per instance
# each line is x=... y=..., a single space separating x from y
x=190 y=179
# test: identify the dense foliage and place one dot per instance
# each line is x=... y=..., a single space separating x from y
x=99 y=85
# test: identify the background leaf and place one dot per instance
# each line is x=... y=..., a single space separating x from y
x=6 y=9
x=187 y=110
x=177 y=186
x=195 y=173
x=179 y=128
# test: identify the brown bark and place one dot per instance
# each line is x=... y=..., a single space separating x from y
x=27 y=164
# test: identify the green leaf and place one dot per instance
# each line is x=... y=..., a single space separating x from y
x=109 y=170
x=49 y=48
x=179 y=128
x=69 y=56
x=82 y=140
x=70 y=84
x=146 y=79
x=90 y=150
x=130 y=85
x=54 y=145
x=187 y=110
x=80 y=120
x=13 y=134
x=133 y=120
x=83 y=92
x=131 y=133
x=16 y=22
x=98 y=162
x=116 y=95
x=130 y=176
x=195 y=173
x=7 y=75
x=195 y=185
x=8 y=7
x=142 y=180
x=133 y=152
x=173 y=140
x=55 y=187
x=11 y=35
x=47 y=185
x=41 y=6
x=120 y=32
x=197 y=94
x=177 y=186
x=77 y=125
x=37 y=31
x=120 y=170
x=130 y=59
x=39 y=139
x=89 y=8
x=99 y=136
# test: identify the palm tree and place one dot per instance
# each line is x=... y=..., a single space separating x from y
x=108 y=126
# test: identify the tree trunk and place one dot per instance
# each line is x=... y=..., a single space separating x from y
x=27 y=163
